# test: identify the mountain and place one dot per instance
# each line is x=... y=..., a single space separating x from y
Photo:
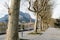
x=22 y=17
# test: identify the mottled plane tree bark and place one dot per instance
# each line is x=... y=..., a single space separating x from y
x=12 y=30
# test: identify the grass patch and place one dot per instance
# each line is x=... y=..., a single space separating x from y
x=35 y=33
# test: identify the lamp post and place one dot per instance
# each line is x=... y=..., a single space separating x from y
x=22 y=28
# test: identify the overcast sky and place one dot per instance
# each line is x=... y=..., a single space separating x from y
x=24 y=5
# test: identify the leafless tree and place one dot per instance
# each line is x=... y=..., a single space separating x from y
x=12 y=31
x=36 y=10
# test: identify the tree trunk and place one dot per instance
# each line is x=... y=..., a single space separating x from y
x=12 y=31
x=41 y=24
x=44 y=25
x=47 y=25
x=36 y=23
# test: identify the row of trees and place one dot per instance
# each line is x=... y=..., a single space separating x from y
x=41 y=8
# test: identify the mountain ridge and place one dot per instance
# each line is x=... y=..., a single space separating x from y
x=22 y=17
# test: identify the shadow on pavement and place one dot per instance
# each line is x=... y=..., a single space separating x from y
x=24 y=39
x=2 y=33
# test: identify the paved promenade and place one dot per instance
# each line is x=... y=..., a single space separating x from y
x=49 y=34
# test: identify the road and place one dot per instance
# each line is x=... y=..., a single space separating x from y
x=49 y=34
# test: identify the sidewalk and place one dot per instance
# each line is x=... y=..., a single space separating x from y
x=49 y=34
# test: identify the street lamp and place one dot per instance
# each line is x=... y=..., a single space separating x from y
x=22 y=28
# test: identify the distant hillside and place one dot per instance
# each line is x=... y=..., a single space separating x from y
x=22 y=17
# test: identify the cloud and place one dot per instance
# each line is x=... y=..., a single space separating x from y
x=3 y=10
x=56 y=10
x=24 y=8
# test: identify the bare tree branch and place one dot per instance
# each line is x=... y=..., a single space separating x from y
x=30 y=6
x=31 y=10
x=6 y=5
